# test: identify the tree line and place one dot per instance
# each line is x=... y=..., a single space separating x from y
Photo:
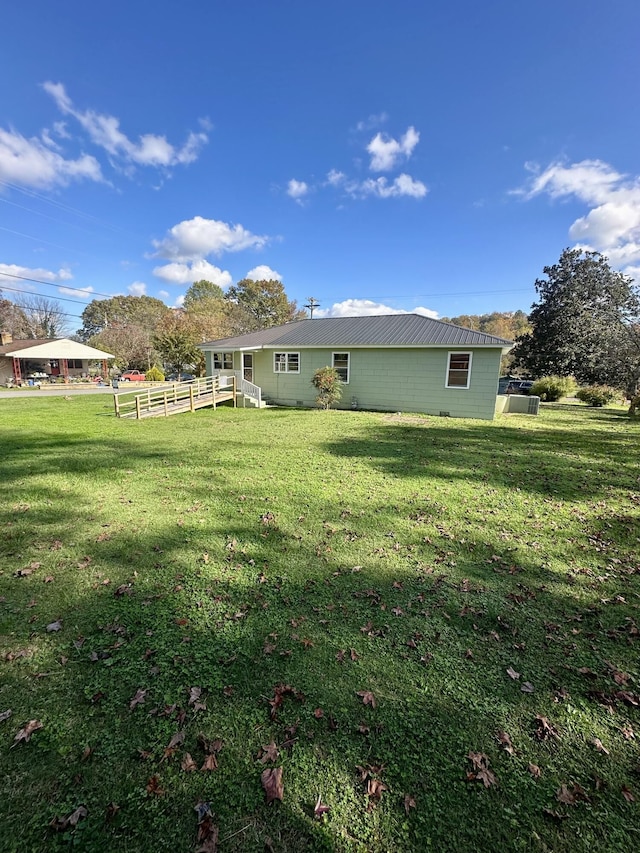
x=142 y=331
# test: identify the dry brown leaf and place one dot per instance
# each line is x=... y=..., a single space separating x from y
x=188 y=764
x=269 y=753
x=367 y=697
x=62 y=823
x=595 y=741
x=320 y=809
x=54 y=626
x=628 y=794
x=153 y=787
x=409 y=803
x=25 y=733
x=513 y=674
x=534 y=770
x=210 y=763
x=138 y=699
x=271 y=779
x=5 y=715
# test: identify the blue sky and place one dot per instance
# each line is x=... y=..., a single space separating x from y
x=377 y=156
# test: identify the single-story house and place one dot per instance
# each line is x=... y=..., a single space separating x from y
x=395 y=362
x=38 y=359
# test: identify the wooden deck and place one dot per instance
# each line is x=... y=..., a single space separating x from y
x=175 y=398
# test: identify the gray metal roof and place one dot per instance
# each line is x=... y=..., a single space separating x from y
x=388 y=330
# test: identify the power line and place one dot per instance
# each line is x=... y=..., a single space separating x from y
x=50 y=284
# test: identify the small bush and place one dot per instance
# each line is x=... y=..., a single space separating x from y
x=327 y=382
x=551 y=388
x=597 y=395
x=154 y=374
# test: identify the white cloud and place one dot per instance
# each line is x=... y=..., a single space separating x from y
x=187 y=273
x=368 y=308
x=403 y=185
x=104 y=131
x=335 y=178
x=164 y=294
x=180 y=301
x=612 y=225
x=297 y=189
x=138 y=288
x=75 y=291
x=194 y=239
x=263 y=273
x=372 y=121
x=31 y=163
x=386 y=152
x=9 y=271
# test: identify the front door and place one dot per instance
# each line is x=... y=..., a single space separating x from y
x=247 y=366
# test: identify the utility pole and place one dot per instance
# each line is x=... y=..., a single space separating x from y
x=311 y=305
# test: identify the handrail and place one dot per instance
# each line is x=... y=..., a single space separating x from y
x=188 y=395
x=248 y=389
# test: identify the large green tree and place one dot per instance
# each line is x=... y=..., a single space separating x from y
x=200 y=292
x=586 y=323
x=122 y=311
x=176 y=342
x=263 y=304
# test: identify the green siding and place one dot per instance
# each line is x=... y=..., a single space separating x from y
x=409 y=380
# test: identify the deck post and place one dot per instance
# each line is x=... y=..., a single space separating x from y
x=191 y=400
x=138 y=407
x=235 y=397
x=117 y=405
x=166 y=405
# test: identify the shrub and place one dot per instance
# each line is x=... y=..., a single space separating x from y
x=327 y=382
x=154 y=374
x=597 y=395
x=551 y=388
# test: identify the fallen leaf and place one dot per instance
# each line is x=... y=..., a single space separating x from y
x=534 y=770
x=62 y=823
x=320 y=809
x=409 y=803
x=375 y=789
x=527 y=687
x=481 y=771
x=5 y=715
x=599 y=745
x=25 y=733
x=112 y=811
x=153 y=787
x=544 y=729
x=513 y=674
x=188 y=764
x=54 y=626
x=194 y=694
x=271 y=779
x=207 y=830
x=269 y=753
x=210 y=763
x=505 y=741
x=138 y=699
x=628 y=794
x=367 y=697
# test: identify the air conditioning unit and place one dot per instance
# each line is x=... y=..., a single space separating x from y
x=534 y=406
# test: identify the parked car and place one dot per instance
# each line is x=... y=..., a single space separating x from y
x=179 y=377
x=522 y=386
x=133 y=376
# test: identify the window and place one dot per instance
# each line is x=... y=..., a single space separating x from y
x=223 y=361
x=341 y=365
x=75 y=363
x=459 y=370
x=286 y=362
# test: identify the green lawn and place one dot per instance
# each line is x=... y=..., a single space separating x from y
x=362 y=600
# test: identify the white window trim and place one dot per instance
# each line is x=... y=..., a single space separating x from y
x=348 y=354
x=222 y=353
x=446 y=376
x=287 y=353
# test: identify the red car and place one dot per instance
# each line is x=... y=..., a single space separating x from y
x=133 y=376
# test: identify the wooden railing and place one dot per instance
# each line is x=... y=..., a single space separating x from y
x=176 y=397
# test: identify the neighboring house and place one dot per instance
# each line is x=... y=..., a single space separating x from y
x=39 y=359
x=396 y=362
